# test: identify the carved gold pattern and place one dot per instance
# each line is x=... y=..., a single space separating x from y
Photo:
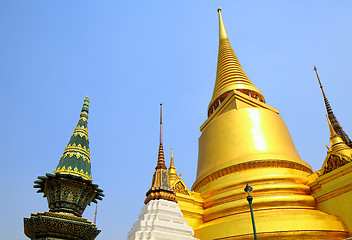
x=65 y=195
x=160 y=193
x=334 y=161
x=250 y=165
x=180 y=188
x=56 y=225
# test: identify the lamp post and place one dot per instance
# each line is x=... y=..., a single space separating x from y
x=249 y=189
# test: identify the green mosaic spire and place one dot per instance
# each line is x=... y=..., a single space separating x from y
x=76 y=157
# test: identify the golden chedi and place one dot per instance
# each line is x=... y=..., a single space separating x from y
x=245 y=141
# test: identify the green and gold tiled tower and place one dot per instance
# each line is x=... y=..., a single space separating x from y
x=68 y=191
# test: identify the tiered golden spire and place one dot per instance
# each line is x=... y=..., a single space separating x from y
x=337 y=144
x=230 y=75
x=172 y=169
x=160 y=188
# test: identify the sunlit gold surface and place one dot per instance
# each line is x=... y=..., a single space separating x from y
x=333 y=193
x=243 y=135
x=172 y=169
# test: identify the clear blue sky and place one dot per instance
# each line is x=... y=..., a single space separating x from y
x=129 y=56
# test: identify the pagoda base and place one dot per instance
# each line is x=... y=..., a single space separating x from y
x=59 y=226
x=161 y=219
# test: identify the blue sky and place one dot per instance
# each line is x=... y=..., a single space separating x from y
x=129 y=57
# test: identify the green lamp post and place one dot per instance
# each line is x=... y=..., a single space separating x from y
x=249 y=189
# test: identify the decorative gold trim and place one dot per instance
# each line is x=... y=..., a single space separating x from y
x=63 y=216
x=75 y=171
x=188 y=199
x=78 y=151
x=333 y=161
x=84 y=118
x=292 y=235
x=249 y=165
x=159 y=193
x=81 y=129
x=180 y=187
x=334 y=193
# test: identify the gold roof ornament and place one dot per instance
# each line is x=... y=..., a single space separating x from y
x=339 y=153
x=337 y=144
x=230 y=75
x=172 y=170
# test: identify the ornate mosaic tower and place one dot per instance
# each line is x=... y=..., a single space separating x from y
x=68 y=191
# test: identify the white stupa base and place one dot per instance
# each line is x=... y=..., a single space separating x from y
x=161 y=220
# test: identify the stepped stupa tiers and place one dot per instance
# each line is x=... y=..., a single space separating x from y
x=68 y=191
x=161 y=217
x=230 y=74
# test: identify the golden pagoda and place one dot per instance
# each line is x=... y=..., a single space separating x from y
x=245 y=141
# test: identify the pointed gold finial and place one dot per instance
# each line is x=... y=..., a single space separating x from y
x=172 y=169
x=172 y=158
x=336 y=142
x=332 y=130
x=222 y=30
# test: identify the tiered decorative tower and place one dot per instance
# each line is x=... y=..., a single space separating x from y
x=68 y=191
x=161 y=217
x=335 y=124
x=331 y=186
x=244 y=140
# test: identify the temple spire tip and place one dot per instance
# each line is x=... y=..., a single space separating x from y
x=161 y=123
x=222 y=31
x=85 y=108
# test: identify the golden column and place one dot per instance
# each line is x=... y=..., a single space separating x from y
x=245 y=141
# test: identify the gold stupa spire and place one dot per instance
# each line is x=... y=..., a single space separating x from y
x=172 y=169
x=337 y=144
x=339 y=153
x=222 y=30
x=230 y=75
x=332 y=118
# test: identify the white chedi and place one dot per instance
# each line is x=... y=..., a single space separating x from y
x=161 y=220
